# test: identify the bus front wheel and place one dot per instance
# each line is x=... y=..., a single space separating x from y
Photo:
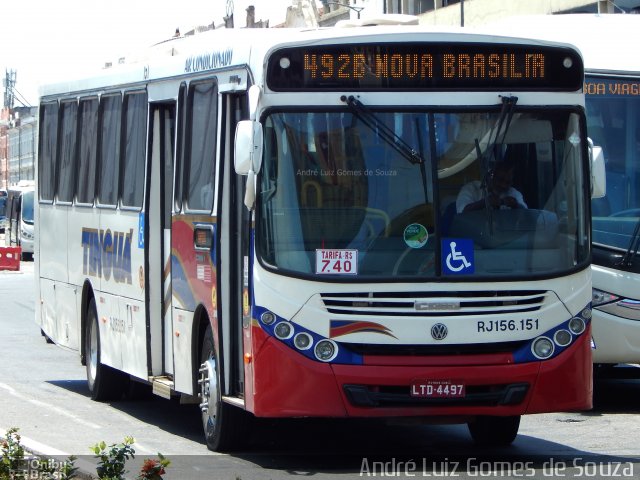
x=225 y=426
x=494 y=431
x=105 y=383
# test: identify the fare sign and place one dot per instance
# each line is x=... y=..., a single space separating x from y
x=336 y=261
x=437 y=389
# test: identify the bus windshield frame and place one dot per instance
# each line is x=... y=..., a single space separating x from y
x=338 y=201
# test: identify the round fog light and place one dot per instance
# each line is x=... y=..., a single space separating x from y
x=562 y=338
x=586 y=313
x=283 y=330
x=326 y=350
x=542 y=347
x=268 y=318
x=577 y=325
x=303 y=341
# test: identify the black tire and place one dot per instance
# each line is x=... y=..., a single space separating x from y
x=105 y=383
x=225 y=426
x=494 y=431
x=46 y=337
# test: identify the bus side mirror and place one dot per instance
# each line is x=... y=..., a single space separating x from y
x=248 y=155
x=598 y=173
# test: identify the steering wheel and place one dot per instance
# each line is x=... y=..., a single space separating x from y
x=423 y=266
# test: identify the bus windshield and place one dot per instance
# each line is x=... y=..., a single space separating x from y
x=614 y=124
x=337 y=196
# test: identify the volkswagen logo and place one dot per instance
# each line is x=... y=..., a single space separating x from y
x=439 y=331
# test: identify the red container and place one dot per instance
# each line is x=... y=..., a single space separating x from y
x=10 y=258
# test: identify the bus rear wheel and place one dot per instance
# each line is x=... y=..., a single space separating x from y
x=225 y=426
x=494 y=431
x=105 y=383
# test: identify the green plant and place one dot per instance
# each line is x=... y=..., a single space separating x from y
x=12 y=461
x=112 y=461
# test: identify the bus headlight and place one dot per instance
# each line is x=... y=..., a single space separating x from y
x=562 y=338
x=326 y=350
x=577 y=325
x=303 y=341
x=542 y=348
x=283 y=330
x=600 y=297
x=268 y=318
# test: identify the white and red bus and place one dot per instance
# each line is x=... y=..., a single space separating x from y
x=263 y=222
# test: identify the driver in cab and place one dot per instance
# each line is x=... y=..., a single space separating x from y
x=499 y=192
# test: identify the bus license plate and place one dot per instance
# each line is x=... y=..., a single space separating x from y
x=437 y=389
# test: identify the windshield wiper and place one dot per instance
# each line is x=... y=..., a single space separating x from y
x=504 y=121
x=387 y=134
x=634 y=246
x=506 y=115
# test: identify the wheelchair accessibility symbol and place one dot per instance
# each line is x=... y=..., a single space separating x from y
x=457 y=256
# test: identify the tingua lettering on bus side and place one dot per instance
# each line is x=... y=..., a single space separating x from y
x=208 y=61
x=107 y=253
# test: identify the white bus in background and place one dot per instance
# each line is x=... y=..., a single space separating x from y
x=609 y=44
x=19 y=221
x=259 y=223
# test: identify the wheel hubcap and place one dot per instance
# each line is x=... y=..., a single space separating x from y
x=208 y=393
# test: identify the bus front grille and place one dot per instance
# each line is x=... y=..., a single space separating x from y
x=426 y=304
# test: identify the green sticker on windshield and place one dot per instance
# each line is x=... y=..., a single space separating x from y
x=416 y=235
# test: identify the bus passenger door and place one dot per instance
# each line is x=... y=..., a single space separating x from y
x=235 y=223
x=158 y=238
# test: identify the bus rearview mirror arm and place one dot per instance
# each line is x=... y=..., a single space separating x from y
x=248 y=147
x=248 y=155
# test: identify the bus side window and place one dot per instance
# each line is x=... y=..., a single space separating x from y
x=200 y=167
x=67 y=151
x=180 y=148
x=47 y=150
x=134 y=135
x=109 y=161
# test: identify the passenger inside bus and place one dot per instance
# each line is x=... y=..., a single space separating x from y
x=499 y=191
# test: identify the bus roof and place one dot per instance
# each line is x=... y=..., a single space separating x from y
x=231 y=49
x=608 y=42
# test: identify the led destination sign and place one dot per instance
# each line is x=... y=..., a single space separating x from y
x=425 y=66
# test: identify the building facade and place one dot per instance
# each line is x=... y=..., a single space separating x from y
x=18 y=141
x=22 y=137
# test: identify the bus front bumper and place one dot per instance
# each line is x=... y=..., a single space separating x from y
x=286 y=384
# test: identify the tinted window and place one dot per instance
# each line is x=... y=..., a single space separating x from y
x=110 y=119
x=47 y=151
x=66 y=167
x=87 y=150
x=202 y=145
x=134 y=149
